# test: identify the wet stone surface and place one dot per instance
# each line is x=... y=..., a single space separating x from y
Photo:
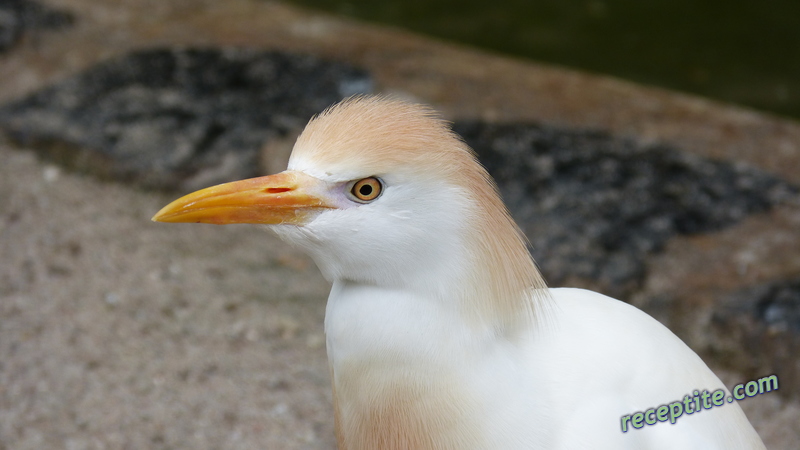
x=758 y=328
x=773 y=306
x=779 y=306
x=594 y=206
x=172 y=119
x=19 y=16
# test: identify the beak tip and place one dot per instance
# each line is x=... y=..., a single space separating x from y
x=158 y=217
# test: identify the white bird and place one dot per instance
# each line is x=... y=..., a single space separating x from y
x=440 y=331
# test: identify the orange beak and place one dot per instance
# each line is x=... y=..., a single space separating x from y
x=288 y=197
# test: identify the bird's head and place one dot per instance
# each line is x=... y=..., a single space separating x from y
x=382 y=192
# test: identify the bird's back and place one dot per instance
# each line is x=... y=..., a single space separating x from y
x=566 y=384
x=602 y=359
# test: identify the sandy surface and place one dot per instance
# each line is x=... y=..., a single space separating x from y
x=119 y=333
x=116 y=332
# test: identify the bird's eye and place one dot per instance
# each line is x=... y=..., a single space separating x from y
x=366 y=190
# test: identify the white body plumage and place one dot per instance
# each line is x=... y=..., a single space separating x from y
x=565 y=385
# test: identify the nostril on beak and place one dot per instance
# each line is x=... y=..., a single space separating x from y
x=277 y=190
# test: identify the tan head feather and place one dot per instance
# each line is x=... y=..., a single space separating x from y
x=381 y=135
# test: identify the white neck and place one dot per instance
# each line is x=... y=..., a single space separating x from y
x=407 y=371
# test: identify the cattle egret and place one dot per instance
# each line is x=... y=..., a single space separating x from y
x=440 y=331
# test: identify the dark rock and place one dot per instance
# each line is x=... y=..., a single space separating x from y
x=595 y=206
x=778 y=305
x=758 y=329
x=16 y=16
x=164 y=117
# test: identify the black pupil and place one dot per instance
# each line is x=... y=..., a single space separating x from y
x=365 y=190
